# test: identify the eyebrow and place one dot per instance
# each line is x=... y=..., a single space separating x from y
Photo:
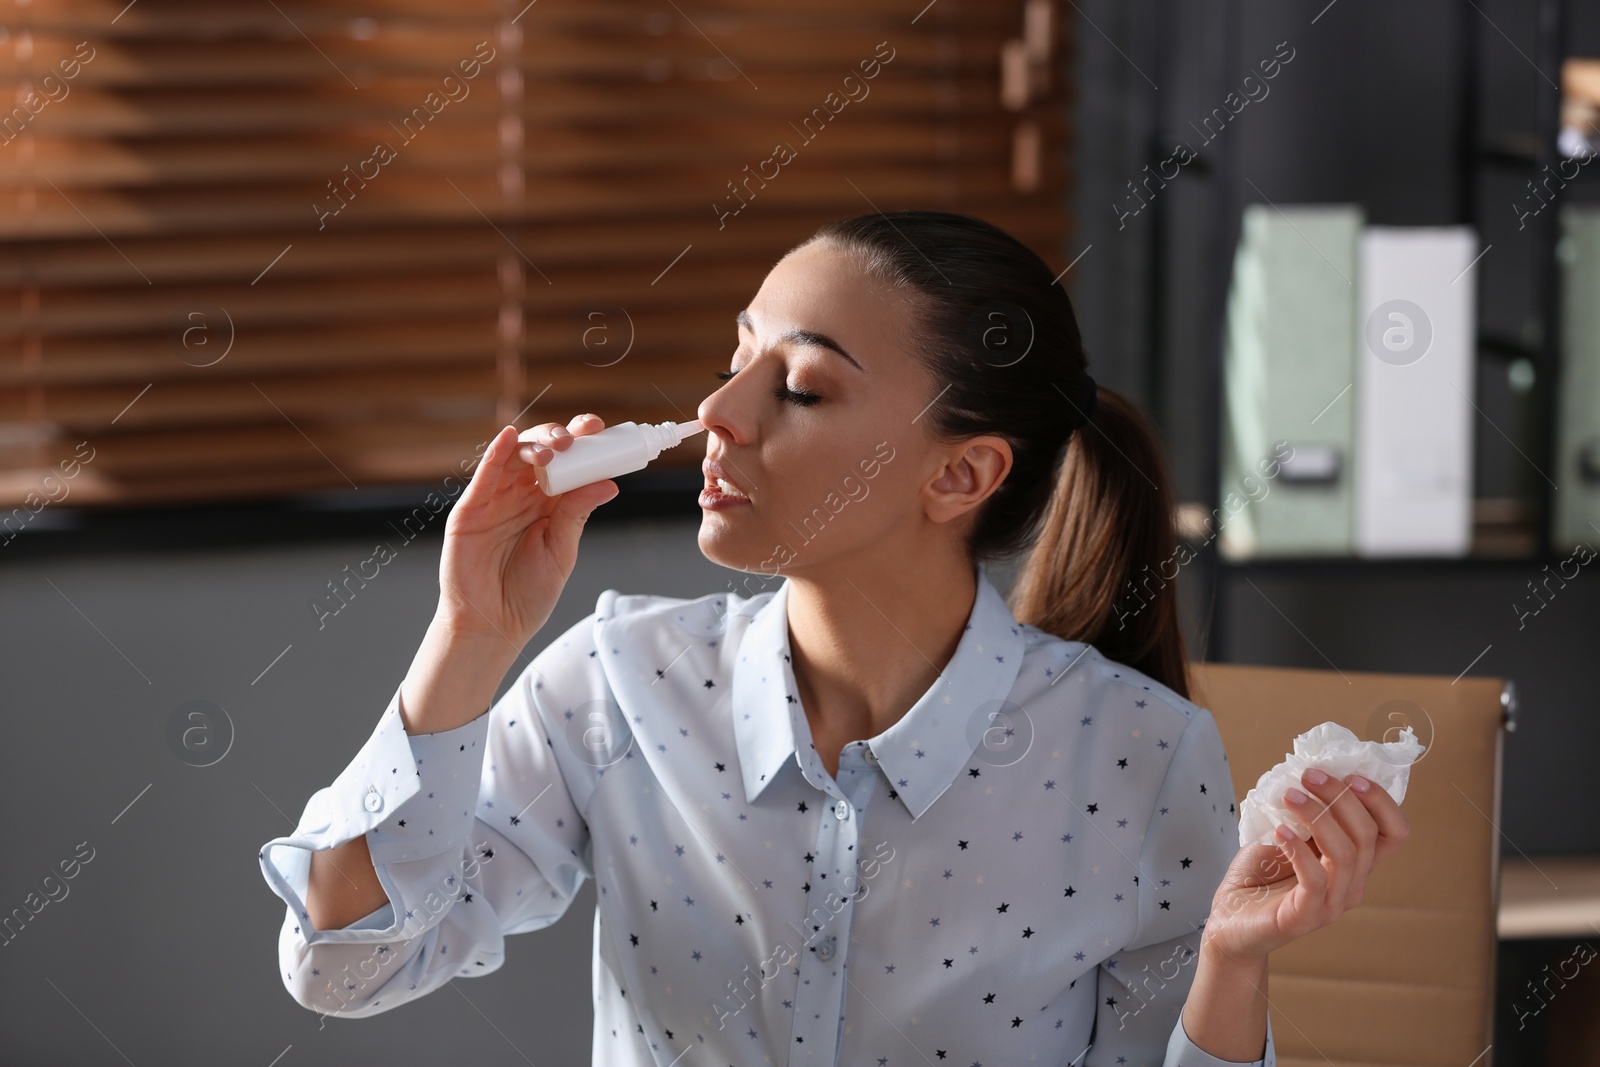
x=801 y=337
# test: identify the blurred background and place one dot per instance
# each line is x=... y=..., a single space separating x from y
x=270 y=271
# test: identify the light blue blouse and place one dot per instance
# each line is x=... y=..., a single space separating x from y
x=1015 y=872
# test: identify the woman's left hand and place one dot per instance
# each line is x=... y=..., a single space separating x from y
x=1264 y=903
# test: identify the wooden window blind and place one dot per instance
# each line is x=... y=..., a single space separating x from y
x=264 y=248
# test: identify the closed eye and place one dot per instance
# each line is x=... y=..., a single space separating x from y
x=793 y=396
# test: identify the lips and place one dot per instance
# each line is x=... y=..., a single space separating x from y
x=717 y=478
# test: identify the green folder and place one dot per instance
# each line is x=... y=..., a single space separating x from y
x=1576 y=518
x=1288 y=383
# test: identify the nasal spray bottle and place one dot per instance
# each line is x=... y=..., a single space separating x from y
x=615 y=450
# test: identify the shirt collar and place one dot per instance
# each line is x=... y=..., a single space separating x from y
x=924 y=750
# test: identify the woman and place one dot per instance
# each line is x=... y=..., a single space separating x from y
x=873 y=816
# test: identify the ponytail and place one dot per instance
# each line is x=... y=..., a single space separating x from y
x=1104 y=563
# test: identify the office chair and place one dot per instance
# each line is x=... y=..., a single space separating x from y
x=1406 y=978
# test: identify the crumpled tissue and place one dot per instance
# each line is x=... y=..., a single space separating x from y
x=1338 y=752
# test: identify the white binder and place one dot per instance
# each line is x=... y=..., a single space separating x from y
x=1415 y=384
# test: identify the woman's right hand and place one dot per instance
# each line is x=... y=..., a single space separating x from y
x=508 y=547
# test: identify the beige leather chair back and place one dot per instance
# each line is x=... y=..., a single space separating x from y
x=1406 y=979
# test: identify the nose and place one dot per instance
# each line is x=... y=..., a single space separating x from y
x=717 y=413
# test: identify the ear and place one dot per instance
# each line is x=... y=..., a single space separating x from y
x=970 y=472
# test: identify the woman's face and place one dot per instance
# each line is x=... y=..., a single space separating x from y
x=823 y=428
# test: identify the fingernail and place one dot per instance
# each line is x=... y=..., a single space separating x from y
x=1294 y=796
x=560 y=431
x=1315 y=777
x=1359 y=784
x=1284 y=833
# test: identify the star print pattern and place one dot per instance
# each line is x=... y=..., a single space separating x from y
x=933 y=900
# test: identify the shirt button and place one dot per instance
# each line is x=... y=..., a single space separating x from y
x=374 y=800
x=841 y=810
x=871 y=757
x=825 y=950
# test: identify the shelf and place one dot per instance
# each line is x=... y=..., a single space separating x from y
x=1510 y=150
x=1502 y=532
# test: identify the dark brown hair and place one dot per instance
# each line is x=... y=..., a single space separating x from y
x=999 y=336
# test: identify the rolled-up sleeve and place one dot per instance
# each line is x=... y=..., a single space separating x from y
x=473 y=834
x=1188 y=845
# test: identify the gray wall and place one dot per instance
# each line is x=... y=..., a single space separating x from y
x=164 y=949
